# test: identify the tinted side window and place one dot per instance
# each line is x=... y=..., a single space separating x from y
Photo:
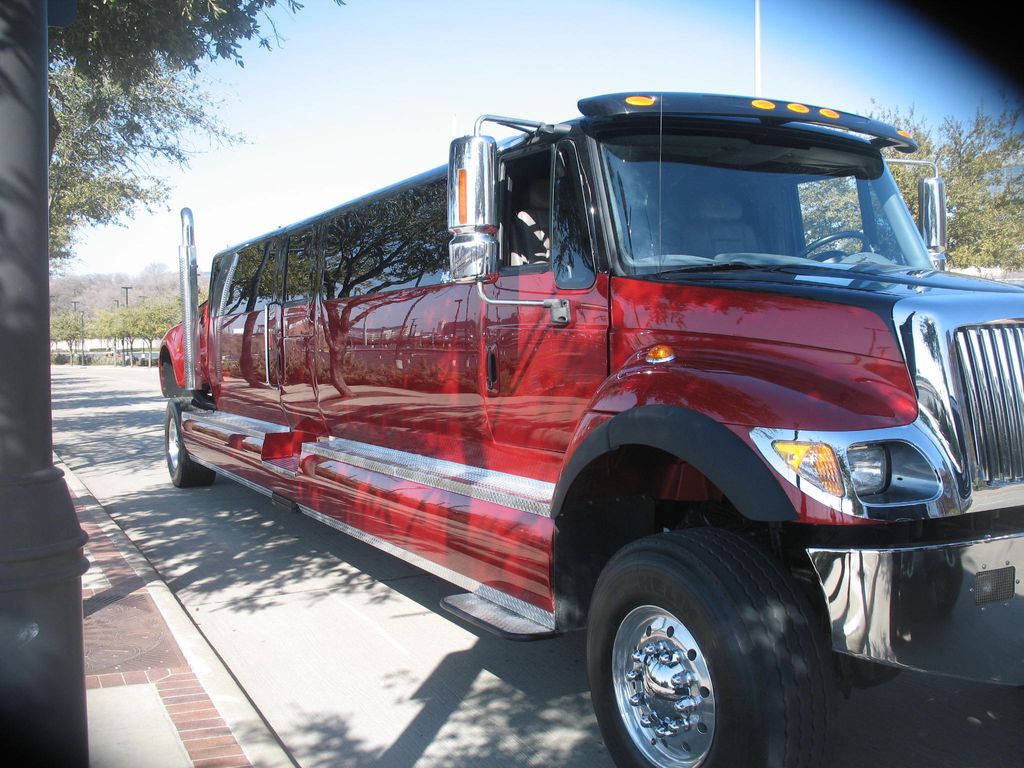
x=219 y=273
x=572 y=258
x=247 y=280
x=301 y=265
x=400 y=241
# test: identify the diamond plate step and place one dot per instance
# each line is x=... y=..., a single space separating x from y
x=494 y=618
x=287 y=466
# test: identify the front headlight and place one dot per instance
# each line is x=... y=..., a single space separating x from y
x=877 y=473
x=869 y=468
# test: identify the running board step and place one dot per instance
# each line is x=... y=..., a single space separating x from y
x=494 y=618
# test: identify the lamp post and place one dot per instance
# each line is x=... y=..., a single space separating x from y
x=74 y=308
x=42 y=672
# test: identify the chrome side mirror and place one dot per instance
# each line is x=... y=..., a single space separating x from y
x=472 y=212
x=931 y=206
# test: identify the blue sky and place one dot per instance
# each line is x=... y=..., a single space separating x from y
x=359 y=96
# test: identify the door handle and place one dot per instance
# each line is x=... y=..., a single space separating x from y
x=492 y=369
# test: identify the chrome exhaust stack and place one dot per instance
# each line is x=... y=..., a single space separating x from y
x=188 y=281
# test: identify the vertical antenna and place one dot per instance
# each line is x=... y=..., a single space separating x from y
x=757 y=47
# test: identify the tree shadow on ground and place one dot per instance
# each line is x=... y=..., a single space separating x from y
x=486 y=700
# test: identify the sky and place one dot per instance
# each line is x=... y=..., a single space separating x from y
x=355 y=97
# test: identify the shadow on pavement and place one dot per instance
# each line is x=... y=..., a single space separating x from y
x=225 y=548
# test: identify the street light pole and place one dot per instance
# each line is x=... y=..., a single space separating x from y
x=42 y=669
x=74 y=308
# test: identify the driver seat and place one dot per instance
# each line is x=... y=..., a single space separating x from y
x=719 y=227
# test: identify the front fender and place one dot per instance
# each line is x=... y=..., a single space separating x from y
x=708 y=446
x=171 y=352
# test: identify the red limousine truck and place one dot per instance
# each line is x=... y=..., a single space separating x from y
x=683 y=372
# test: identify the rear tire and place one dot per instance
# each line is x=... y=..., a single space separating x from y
x=184 y=472
x=701 y=652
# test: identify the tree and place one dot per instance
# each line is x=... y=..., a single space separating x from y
x=66 y=327
x=124 y=40
x=109 y=134
x=123 y=93
x=154 y=318
x=982 y=162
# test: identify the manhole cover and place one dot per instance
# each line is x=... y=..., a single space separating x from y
x=128 y=635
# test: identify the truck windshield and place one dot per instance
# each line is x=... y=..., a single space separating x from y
x=700 y=200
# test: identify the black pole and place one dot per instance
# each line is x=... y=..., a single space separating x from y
x=42 y=671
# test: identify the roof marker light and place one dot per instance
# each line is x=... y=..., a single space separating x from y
x=660 y=353
x=640 y=101
x=905 y=134
x=800 y=109
x=825 y=112
x=762 y=104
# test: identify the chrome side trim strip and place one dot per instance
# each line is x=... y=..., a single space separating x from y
x=514 y=491
x=232 y=476
x=241 y=425
x=537 y=615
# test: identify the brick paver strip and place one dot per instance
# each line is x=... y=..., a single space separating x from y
x=204 y=733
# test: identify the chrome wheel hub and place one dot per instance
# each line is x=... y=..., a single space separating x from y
x=663 y=688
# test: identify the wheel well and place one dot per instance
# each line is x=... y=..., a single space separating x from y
x=168 y=383
x=621 y=496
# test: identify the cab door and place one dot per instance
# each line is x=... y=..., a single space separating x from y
x=244 y=372
x=541 y=375
x=293 y=330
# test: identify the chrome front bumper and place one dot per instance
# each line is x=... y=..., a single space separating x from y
x=954 y=609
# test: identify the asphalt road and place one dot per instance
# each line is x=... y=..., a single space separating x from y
x=349 y=658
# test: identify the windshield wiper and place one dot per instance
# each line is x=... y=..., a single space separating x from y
x=728 y=266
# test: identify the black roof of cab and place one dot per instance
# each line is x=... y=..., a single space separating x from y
x=767 y=111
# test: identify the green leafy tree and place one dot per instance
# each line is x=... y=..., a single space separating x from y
x=123 y=94
x=154 y=318
x=66 y=327
x=982 y=162
x=110 y=134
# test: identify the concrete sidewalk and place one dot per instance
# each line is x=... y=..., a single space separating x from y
x=157 y=694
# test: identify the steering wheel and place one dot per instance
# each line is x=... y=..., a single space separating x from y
x=842 y=235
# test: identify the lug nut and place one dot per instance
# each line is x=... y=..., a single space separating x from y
x=646 y=721
x=636 y=700
x=685 y=705
x=633 y=675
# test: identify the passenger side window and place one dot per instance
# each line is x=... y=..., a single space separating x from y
x=526 y=210
x=220 y=272
x=572 y=256
x=300 y=267
x=250 y=282
x=399 y=241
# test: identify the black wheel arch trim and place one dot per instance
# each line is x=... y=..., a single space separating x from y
x=698 y=440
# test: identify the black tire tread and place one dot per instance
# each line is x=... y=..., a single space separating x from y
x=740 y=567
x=189 y=474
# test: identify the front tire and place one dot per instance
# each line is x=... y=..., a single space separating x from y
x=184 y=472
x=701 y=652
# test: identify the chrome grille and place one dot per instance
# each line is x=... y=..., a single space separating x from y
x=991 y=363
